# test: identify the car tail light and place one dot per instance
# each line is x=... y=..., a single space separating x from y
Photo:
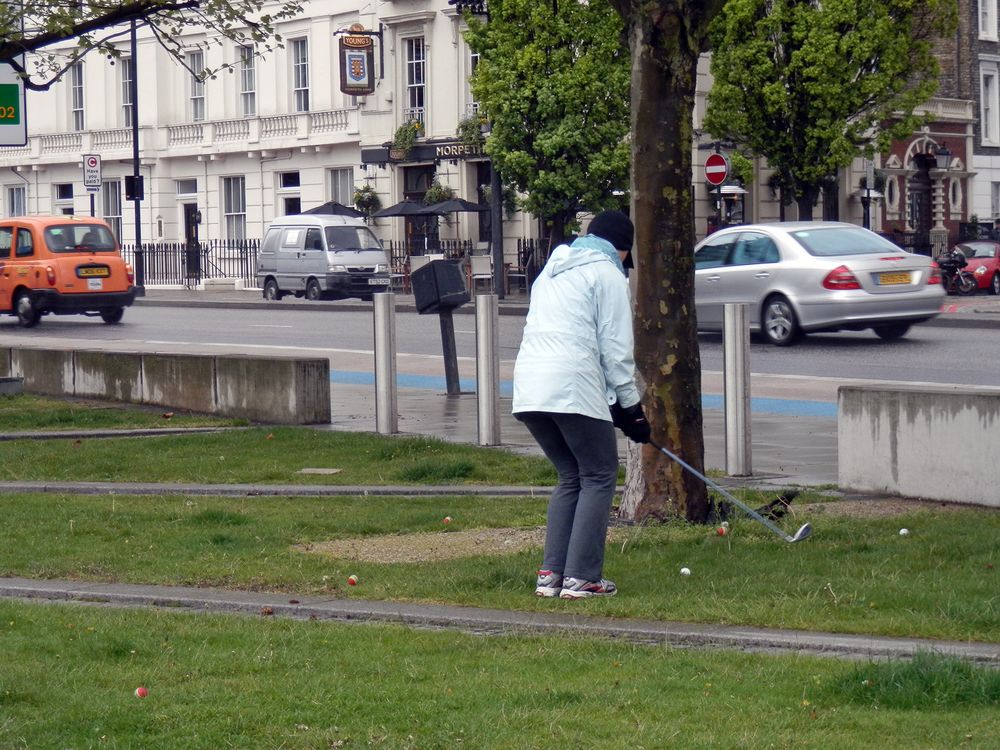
x=841 y=278
x=50 y=275
x=129 y=273
x=935 y=276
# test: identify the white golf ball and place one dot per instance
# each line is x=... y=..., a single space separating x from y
x=685 y=571
x=904 y=532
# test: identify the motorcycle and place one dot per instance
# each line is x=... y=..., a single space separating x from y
x=954 y=278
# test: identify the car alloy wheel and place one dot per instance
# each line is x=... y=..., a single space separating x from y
x=780 y=324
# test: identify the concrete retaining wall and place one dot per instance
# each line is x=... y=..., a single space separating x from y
x=936 y=443
x=262 y=389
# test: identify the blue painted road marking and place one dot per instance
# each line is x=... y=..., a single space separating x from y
x=787 y=406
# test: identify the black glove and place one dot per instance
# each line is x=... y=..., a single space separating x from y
x=632 y=421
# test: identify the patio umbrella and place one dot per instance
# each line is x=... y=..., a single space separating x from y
x=332 y=208
x=408 y=208
x=458 y=204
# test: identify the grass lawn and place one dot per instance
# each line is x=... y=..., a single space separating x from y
x=224 y=681
x=30 y=413
x=854 y=575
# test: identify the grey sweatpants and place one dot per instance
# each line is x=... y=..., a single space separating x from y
x=584 y=452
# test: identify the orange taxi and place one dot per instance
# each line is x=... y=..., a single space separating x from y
x=63 y=265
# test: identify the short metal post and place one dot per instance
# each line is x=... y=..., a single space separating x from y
x=736 y=382
x=488 y=368
x=450 y=353
x=386 y=416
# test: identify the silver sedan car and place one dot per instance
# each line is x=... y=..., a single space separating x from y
x=813 y=276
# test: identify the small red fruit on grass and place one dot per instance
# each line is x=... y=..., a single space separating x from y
x=352 y=581
x=141 y=692
x=722 y=531
x=447 y=519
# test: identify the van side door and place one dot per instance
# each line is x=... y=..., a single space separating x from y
x=315 y=263
x=290 y=261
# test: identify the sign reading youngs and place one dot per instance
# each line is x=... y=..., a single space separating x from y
x=357 y=63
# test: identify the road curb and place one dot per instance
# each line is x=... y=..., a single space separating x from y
x=492 y=621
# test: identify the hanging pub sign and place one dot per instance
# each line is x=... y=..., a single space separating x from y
x=357 y=62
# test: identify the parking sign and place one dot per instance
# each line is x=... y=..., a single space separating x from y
x=92 y=173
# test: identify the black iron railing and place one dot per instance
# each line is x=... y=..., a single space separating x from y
x=171 y=263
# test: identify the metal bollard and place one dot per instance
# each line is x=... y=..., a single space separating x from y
x=386 y=416
x=488 y=368
x=736 y=383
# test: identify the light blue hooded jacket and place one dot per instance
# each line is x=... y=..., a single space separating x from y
x=576 y=351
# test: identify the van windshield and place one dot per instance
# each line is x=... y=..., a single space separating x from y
x=74 y=238
x=351 y=238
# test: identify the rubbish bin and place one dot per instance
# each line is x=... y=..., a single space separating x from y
x=438 y=286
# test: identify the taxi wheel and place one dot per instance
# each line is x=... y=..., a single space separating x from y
x=112 y=315
x=27 y=314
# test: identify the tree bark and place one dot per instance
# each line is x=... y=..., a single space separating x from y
x=665 y=40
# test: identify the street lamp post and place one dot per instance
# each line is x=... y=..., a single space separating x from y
x=939 y=233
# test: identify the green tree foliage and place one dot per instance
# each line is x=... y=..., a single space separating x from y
x=810 y=85
x=553 y=81
x=43 y=27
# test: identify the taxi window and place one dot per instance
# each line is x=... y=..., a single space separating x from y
x=24 y=245
x=74 y=238
x=6 y=238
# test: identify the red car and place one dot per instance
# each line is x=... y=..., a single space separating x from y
x=984 y=263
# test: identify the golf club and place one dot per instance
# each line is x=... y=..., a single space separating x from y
x=798 y=536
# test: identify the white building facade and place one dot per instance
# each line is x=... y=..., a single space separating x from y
x=273 y=135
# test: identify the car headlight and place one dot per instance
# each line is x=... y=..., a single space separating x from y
x=381 y=268
x=336 y=268
x=980 y=270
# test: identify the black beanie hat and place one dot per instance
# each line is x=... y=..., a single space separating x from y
x=615 y=227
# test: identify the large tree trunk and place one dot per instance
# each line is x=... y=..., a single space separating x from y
x=665 y=40
x=806 y=201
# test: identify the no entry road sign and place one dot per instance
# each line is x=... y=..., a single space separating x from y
x=716 y=169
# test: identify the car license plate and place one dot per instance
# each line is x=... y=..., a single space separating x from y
x=376 y=281
x=896 y=277
x=95 y=285
x=87 y=272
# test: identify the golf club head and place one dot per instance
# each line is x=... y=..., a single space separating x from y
x=802 y=533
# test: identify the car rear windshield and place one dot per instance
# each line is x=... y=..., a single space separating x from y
x=828 y=241
x=75 y=238
x=351 y=238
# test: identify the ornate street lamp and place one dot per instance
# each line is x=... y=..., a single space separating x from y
x=943 y=157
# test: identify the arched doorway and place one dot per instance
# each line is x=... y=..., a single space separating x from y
x=919 y=203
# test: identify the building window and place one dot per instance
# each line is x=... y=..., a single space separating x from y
x=17 y=200
x=995 y=200
x=77 y=121
x=415 y=81
x=196 y=62
x=987 y=19
x=127 y=74
x=186 y=187
x=234 y=207
x=288 y=186
x=989 y=104
x=62 y=198
x=471 y=105
x=289 y=180
x=111 y=206
x=300 y=74
x=342 y=186
x=248 y=81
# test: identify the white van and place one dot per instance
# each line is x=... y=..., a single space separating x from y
x=321 y=257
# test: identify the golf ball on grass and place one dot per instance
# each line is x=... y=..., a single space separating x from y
x=352 y=580
x=141 y=692
x=447 y=519
x=722 y=530
x=904 y=532
x=685 y=571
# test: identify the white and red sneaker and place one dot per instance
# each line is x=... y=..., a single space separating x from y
x=577 y=588
x=549 y=583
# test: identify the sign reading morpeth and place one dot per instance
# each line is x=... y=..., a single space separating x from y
x=423 y=152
